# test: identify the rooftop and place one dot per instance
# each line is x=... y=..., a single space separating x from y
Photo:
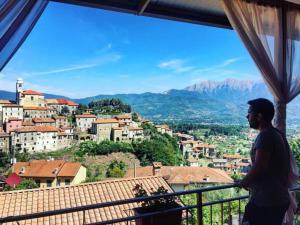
x=184 y=174
x=36 y=129
x=43 y=120
x=103 y=121
x=47 y=168
x=40 y=200
x=31 y=92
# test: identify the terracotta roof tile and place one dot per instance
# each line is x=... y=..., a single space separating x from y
x=3 y=101
x=61 y=101
x=39 y=200
x=106 y=121
x=69 y=169
x=86 y=116
x=27 y=123
x=37 y=129
x=232 y=156
x=31 y=92
x=123 y=116
x=14 y=119
x=43 y=120
x=184 y=174
x=36 y=108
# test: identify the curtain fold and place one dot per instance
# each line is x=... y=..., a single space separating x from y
x=272 y=36
x=17 y=18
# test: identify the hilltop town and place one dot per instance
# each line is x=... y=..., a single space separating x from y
x=32 y=124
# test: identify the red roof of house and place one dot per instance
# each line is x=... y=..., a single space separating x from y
x=43 y=120
x=106 y=121
x=61 y=101
x=36 y=129
x=86 y=115
x=36 y=108
x=31 y=92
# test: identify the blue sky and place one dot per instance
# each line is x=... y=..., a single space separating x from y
x=79 y=51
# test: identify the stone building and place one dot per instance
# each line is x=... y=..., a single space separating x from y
x=102 y=129
x=32 y=98
x=61 y=121
x=11 y=111
x=84 y=121
x=35 y=138
x=35 y=112
x=4 y=141
x=59 y=104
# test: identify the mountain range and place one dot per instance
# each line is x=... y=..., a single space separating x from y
x=205 y=102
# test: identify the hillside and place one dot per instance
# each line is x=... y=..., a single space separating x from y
x=206 y=102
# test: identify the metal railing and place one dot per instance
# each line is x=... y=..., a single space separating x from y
x=196 y=213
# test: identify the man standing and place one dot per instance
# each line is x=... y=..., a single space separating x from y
x=267 y=179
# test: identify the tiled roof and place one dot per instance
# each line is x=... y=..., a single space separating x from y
x=123 y=116
x=31 y=92
x=204 y=146
x=47 y=168
x=232 y=156
x=59 y=117
x=14 y=119
x=163 y=126
x=39 y=168
x=3 y=101
x=135 y=128
x=87 y=115
x=106 y=121
x=43 y=120
x=61 y=101
x=69 y=169
x=189 y=142
x=27 y=123
x=13 y=105
x=37 y=129
x=39 y=200
x=184 y=174
x=36 y=108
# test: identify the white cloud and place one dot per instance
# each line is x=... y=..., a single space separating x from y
x=91 y=63
x=177 y=65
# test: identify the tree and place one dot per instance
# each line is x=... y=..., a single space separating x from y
x=25 y=184
x=81 y=109
x=116 y=169
x=65 y=110
x=109 y=106
x=135 y=117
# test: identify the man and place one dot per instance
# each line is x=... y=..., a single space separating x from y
x=267 y=179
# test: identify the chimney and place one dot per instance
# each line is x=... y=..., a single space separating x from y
x=156 y=168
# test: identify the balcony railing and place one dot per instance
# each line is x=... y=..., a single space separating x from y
x=199 y=212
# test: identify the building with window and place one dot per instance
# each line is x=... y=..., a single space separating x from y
x=59 y=104
x=32 y=98
x=4 y=141
x=11 y=110
x=103 y=129
x=84 y=121
x=13 y=124
x=51 y=173
x=44 y=122
x=35 y=138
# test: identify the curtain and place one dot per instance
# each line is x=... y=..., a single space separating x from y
x=17 y=18
x=272 y=36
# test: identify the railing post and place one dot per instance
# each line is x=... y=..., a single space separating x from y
x=199 y=208
x=83 y=222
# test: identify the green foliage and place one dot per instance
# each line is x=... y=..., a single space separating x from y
x=109 y=106
x=25 y=184
x=135 y=117
x=4 y=162
x=65 y=110
x=81 y=109
x=295 y=147
x=116 y=169
x=139 y=192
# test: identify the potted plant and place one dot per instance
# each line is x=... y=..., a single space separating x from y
x=156 y=205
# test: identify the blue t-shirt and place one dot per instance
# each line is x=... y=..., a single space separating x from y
x=271 y=188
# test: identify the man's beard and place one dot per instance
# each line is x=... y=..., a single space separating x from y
x=254 y=124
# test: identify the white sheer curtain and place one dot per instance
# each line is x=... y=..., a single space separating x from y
x=272 y=36
x=17 y=18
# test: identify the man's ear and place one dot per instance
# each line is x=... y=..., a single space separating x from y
x=259 y=116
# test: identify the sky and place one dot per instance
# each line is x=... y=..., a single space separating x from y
x=79 y=52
